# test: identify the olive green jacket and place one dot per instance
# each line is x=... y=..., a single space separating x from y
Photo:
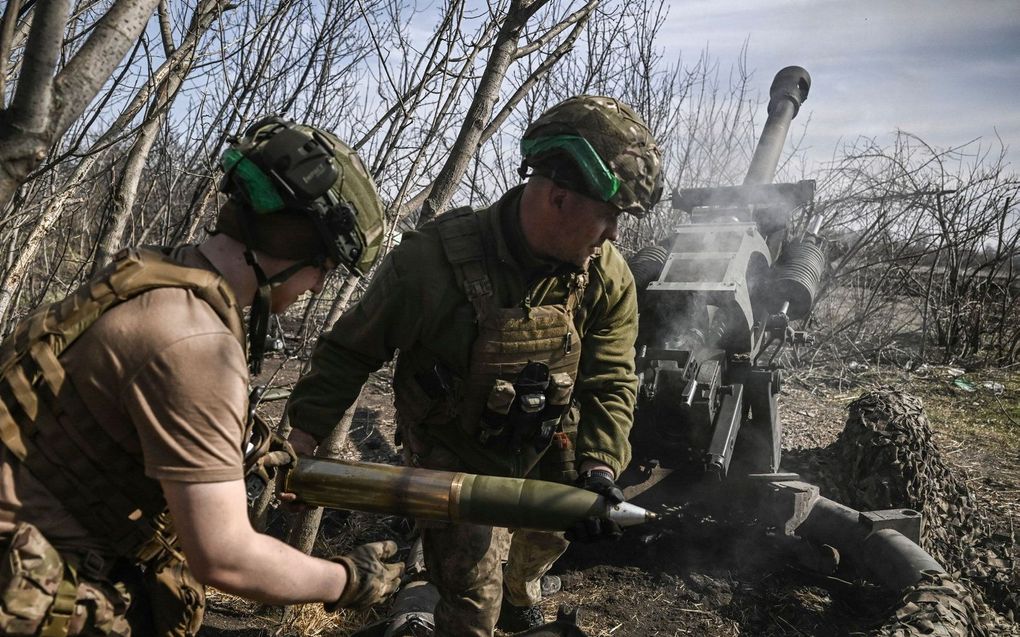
x=413 y=304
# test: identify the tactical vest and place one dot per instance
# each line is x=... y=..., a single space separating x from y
x=47 y=426
x=508 y=340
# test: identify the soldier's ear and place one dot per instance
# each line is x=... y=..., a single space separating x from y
x=557 y=195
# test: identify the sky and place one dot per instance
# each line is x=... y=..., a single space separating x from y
x=946 y=71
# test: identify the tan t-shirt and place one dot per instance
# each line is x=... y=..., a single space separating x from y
x=167 y=379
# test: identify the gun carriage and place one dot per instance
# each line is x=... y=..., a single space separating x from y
x=717 y=299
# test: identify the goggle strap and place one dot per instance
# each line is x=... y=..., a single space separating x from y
x=600 y=179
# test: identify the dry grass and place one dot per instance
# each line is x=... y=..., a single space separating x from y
x=976 y=431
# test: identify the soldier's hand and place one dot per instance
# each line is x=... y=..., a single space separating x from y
x=602 y=483
x=594 y=529
x=303 y=444
x=370 y=579
x=275 y=458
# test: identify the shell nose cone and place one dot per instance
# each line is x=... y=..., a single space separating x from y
x=627 y=514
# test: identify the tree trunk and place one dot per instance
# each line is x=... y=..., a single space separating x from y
x=503 y=51
x=26 y=252
x=45 y=105
x=342 y=300
x=306 y=525
x=124 y=197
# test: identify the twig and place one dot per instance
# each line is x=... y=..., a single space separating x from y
x=1003 y=409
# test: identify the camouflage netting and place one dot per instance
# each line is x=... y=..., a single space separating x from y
x=886 y=458
x=940 y=605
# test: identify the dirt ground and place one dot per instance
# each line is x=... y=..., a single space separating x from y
x=700 y=578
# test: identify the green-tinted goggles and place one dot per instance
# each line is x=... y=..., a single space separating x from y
x=600 y=179
x=258 y=186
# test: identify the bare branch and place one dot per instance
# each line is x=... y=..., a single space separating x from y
x=7 y=25
x=481 y=106
x=550 y=61
x=576 y=18
x=33 y=98
x=84 y=74
x=165 y=30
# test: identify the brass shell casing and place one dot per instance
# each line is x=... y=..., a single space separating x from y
x=374 y=488
x=442 y=495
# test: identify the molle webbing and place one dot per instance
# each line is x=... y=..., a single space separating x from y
x=460 y=231
x=508 y=339
x=45 y=423
x=462 y=242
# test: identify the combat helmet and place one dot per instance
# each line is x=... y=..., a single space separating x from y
x=611 y=147
x=296 y=192
x=292 y=176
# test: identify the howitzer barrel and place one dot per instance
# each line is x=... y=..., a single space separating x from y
x=452 y=496
x=789 y=90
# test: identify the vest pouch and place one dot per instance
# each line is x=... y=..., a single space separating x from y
x=557 y=401
x=40 y=595
x=560 y=388
x=497 y=409
x=559 y=464
x=176 y=598
x=424 y=392
x=437 y=383
x=31 y=578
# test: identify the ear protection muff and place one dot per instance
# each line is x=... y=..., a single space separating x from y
x=277 y=166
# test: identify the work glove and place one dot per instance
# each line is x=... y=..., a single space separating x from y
x=279 y=455
x=594 y=529
x=370 y=580
x=270 y=456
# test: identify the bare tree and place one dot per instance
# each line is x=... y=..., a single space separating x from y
x=927 y=240
x=47 y=101
x=184 y=57
x=505 y=49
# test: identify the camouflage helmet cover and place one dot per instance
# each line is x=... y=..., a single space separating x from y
x=619 y=136
x=355 y=185
x=353 y=188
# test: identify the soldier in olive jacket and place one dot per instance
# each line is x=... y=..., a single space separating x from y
x=515 y=327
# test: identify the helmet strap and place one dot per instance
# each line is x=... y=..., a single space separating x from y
x=258 y=315
x=261 y=304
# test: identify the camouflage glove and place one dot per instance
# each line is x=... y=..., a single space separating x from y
x=370 y=580
x=279 y=455
x=594 y=529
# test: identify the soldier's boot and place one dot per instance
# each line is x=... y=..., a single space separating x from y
x=516 y=619
x=519 y=618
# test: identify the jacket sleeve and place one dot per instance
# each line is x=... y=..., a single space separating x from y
x=607 y=385
x=359 y=343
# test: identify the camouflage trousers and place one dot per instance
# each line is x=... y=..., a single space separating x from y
x=532 y=554
x=464 y=561
x=41 y=595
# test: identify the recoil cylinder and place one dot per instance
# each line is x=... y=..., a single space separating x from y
x=797 y=276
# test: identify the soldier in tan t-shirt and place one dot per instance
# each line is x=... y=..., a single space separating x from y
x=123 y=411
